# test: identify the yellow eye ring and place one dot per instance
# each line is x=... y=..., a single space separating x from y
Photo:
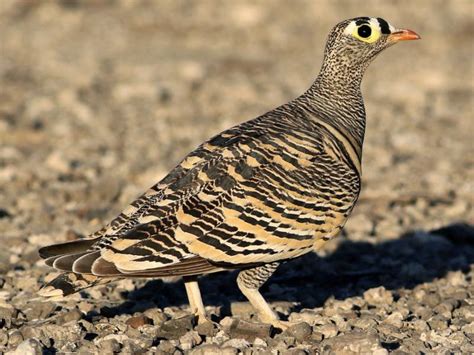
x=366 y=33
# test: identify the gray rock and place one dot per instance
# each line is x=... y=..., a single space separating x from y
x=71 y=316
x=357 y=343
x=327 y=330
x=378 y=296
x=15 y=337
x=249 y=330
x=301 y=331
x=213 y=349
x=176 y=328
x=395 y=319
x=241 y=309
x=7 y=314
x=236 y=343
x=156 y=315
x=110 y=346
x=208 y=329
x=27 y=347
x=138 y=321
x=3 y=337
x=39 y=310
x=190 y=340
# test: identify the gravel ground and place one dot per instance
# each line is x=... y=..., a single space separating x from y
x=99 y=99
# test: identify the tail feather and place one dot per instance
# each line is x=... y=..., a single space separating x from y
x=83 y=265
x=65 y=262
x=76 y=246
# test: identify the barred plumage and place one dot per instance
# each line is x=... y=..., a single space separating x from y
x=265 y=191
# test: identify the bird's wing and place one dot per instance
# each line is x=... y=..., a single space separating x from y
x=250 y=195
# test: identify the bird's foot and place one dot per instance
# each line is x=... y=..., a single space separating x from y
x=202 y=318
x=281 y=324
x=275 y=322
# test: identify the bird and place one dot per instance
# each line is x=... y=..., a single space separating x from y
x=261 y=193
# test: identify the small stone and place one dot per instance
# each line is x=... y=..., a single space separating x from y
x=431 y=300
x=259 y=342
x=70 y=316
x=110 y=346
x=39 y=310
x=249 y=330
x=354 y=343
x=166 y=346
x=208 y=329
x=468 y=328
x=3 y=337
x=7 y=314
x=176 y=328
x=207 y=349
x=364 y=323
x=241 y=309
x=438 y=323
x=237 y=343
x=14 y=338
x=156 y=315
x=395 y=319
x=328 y=330
x=138 y=321
x=378 y=296
x=456 y=278
x=190 y=340
x=301 y=331
x=420 y=325
x=27 y=347
x=307 y=315
x=317 y=337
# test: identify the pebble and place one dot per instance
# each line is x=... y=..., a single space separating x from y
x=354 y=343
x=249 y=330
x=156 y=315
x=175 y=328
x=395 y=319
x=27 y=347
x=138 y=321
x=208 y=329
x=378 y=296
x=328 y=330
x=110 y=346
x=71 y=316
x=190 y=340
x=301 y=331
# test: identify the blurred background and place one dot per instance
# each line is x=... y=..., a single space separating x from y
x=100 y=98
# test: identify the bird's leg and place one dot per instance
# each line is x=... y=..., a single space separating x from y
x=249 y=281
x=194 y=297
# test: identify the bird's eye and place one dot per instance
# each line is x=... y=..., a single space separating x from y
x=364 y=31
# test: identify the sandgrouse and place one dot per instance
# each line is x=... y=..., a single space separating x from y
x=268 y=190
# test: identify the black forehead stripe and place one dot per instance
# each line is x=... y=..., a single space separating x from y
x=384 y=27
x=362 y=20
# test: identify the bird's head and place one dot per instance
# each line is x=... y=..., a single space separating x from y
x=354 y=43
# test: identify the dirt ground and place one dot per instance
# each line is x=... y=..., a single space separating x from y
x=100 y=98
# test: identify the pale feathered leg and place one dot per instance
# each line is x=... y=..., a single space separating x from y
x=249 y=281
x=195 y=298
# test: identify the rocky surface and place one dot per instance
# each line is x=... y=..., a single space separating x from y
x=98 y=99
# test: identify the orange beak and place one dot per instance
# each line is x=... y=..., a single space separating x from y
x=403 y=35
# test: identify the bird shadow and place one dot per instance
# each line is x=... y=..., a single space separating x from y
x=354 y=267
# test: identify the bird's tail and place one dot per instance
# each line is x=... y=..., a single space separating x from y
x=62 y=256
